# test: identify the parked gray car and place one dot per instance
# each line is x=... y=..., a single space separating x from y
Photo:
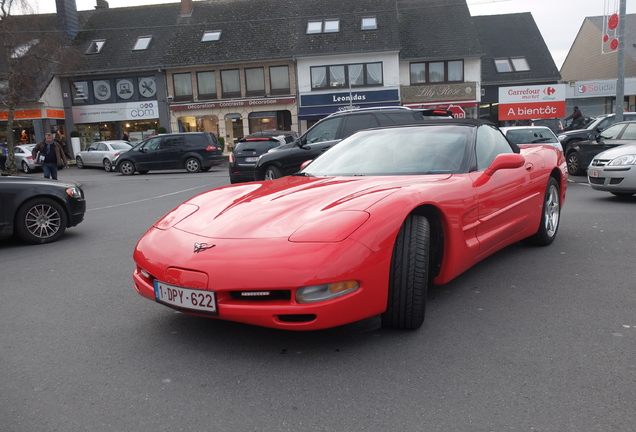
x=101 y=154
x=24 y=159
x=614 y=171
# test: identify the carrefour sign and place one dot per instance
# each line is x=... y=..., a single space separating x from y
x=532 y=102
x=115 y=112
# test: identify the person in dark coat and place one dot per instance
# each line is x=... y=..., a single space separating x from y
x=50 y=155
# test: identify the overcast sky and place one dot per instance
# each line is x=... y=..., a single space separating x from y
x=559 y=20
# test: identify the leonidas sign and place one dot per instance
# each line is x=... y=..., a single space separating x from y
x=532 y=102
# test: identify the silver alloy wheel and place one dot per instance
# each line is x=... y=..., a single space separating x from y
x=79 y=162
x=192 y=165
x=107 y=165
x=127 y=168
x=43 y=221
x=552 y=210
x=25 y=167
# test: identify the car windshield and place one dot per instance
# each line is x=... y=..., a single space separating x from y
x=396 y=151
x=121 y=146
x=531 y=136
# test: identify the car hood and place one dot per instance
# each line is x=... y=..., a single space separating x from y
x=35 y=182
x=615 y=152
x=279 y=208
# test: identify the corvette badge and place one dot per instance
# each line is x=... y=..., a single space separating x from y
x=200 y=247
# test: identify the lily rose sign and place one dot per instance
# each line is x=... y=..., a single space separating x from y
x=532 y=102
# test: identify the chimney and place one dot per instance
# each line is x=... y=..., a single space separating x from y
x=67 y=18
x=186 y=8
x=101 y=4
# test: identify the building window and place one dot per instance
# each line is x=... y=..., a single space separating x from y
x=512 y=64
x=182 y=86
x=325 y=26
x=211 y=36
x=96 y=46
x=369 y=23
x=230 y=83
x=255 y=82
x=520 y=64
x=503 y=65
x=206 y=84
x=314 y=27
x=332 y=26
x=437 y=72
x=338 y=76
x=142 y=43
x=279 y=80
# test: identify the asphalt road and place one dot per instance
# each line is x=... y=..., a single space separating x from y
x=531 y=339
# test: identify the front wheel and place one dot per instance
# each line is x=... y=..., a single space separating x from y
x=272 y=173
x=574 y=164
x=127 y=168
x=108 y=166
x=550 y=216
x=79 y=162
x=40 y=220
x=408 y=283
x=192 y=165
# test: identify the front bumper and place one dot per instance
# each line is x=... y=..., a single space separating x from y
x=619 y=179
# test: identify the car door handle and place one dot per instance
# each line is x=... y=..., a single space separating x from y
x=529 y=167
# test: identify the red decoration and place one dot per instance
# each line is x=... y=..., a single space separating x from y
x=614 y=44
x=605 y=38
x=612 y=23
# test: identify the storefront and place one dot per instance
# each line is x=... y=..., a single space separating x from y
x=30 y=125
x=234 y=119
x=599 y=96
x=314 y=107
x=460 y=98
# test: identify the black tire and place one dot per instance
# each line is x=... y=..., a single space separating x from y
x=574 y=164
x=25 y=168
x=127 y=168
x=272 y=173
x=79 y=162
x=622 y=194
x=206 y=169
x=408 y=283
x=40 y=220
x=192 y=165
x=108 y=166
x=550 y=216
x=143 y=172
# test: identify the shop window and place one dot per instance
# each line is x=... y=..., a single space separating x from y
x=437 y=72
x=182 y=86
x=230 y=83
x=263 y=120
x=142 y=43
x=254 y=82
x=279 y=80
x=206 y=83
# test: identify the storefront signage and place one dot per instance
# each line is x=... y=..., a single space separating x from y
x=532 y=102
x=115 y=112
x=22 y=114
x=347 y=98
x=439 y=92
x=232 y=103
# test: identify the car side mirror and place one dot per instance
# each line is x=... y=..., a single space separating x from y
x=502 y=161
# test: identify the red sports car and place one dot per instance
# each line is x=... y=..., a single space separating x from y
x=361 y=231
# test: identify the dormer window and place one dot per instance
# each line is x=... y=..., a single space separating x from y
x=326 y=26
x=369 y=23
x=96 y=46
x=142 y=43
x=211 y=36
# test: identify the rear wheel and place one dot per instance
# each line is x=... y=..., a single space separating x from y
x=25 y=168
x=192 y=165
x=79 y=162
x=574 y=163
x=108 y=166
x=550 y=216
x=272 y=173
x=408 y=283
x=127 y=168
x=40 y=220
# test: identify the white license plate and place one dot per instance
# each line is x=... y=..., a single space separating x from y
x=593 y=173
x=185 y=298
x=251 y=159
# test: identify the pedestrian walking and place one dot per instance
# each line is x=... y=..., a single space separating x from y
x=50 y=155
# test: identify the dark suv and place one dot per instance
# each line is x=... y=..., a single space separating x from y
x=599 y=124
x=286 y=159
x=192 y=151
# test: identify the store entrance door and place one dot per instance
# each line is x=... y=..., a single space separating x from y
x=234 y=129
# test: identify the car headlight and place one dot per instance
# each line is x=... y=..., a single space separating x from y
x=74 y=192
x=561 y=137
x=623 y=160
x=318 y=293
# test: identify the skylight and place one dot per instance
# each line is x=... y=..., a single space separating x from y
x=516 y=64
x=314 y=27
x=211 y=35
x=369 y=23
x=142 y=43
x=332 y=26
x=96 y=46
x=520 y=64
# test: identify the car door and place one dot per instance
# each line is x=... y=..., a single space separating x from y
x=608 y=138
x=149 y=155
x=87 y=155
x=318 y=139
x=96 y=154
x=507 y=200
x=171 y=150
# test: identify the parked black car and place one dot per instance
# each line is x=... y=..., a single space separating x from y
x=192 y=151
x=599 y=124
x=286 y=159
x=248 y=149
x=39 y=210
x=580 y=154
